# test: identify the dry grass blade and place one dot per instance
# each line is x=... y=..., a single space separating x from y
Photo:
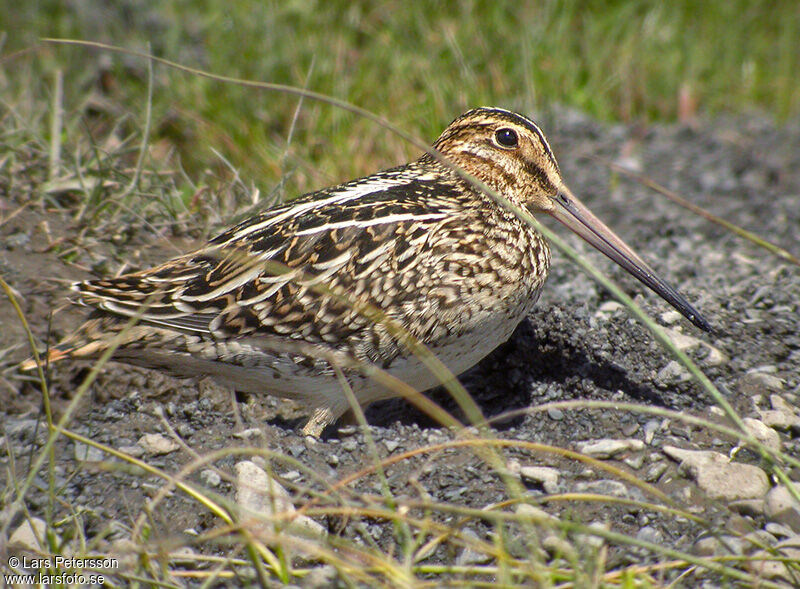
x=679 y=200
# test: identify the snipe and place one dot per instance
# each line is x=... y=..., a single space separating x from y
x=281 y=302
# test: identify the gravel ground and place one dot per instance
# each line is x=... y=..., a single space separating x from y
x=578 y=344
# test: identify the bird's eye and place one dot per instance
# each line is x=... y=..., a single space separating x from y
x=506 y=138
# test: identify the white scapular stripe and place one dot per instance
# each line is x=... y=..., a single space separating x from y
x=345 y=194
x=370 y=222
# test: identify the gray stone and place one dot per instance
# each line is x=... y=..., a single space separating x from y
x=267 y=505
x=719 y=478
x=391 y=445
x=607 y=448
x=751 y=507
x=157 y=444
x=24 y=537
x=546 y=476
x=603 y=487
x=469 y=555
x=782 y=415
x=781 y=507
x=249 y=434
x=763 y=433
x=655 y=470
x=321 y=577
x=86 y=453
x=210 y=477
x=720 y=546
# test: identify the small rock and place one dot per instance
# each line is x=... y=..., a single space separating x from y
x=719 y=478
x=769 y=568
x=184 y=555
x=157 y=444
x=654 y=471
x=595 y=541
x=650 y=429
x=536 y=514
x=779 y=530
x=133 y=451
x=350 y=445
x=635 y=461
x=292 y=475
x=269 y=504
x=606 y=448
x=391 y=445
x=756 y=381
x=24 y=537
x=781 y=416
x=555 y=414
x=86 y=453
x=249 y=434
x=763 y=433
x=720 y=546
x=783 y=508
x=673 y=373
x=603 y=487
x=556 y=546
x=320 y=577
x=751 y=507
x=670 y=317
x=468 y=555
x=347 y=430
x=210 y=477
x=650 y=534
x=546 y=476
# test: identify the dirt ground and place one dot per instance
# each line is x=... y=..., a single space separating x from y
x=576 y=345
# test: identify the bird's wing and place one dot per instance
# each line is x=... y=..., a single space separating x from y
x=295 y=271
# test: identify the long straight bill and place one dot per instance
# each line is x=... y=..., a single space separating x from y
x=573 y=213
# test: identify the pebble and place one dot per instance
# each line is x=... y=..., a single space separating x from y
x=556 y=546
x=756 y=381
x=751 y=507
x=350 y=445
x=320 y=577
x=720 y=546
x=249 y=434
x=655 y=470
x=468 y=555
x=535 y=513
x=555 y=414
x=650 y=429
x=157 y=444
x=24 y=537
x=779 y=530
x=673 y=373
x=769 y=568
x=635 y=461
x=391 y=445
x=782 y=508
x=86 y=453
x=763 y=433
x=782 y=416
x=607 y=448
x=546 y=476
x=719 y=478
x=133 y=451
x=608 y=487
x=256 y=492
x=210 y=477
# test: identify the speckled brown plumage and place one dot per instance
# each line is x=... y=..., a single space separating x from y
x=270 y=305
